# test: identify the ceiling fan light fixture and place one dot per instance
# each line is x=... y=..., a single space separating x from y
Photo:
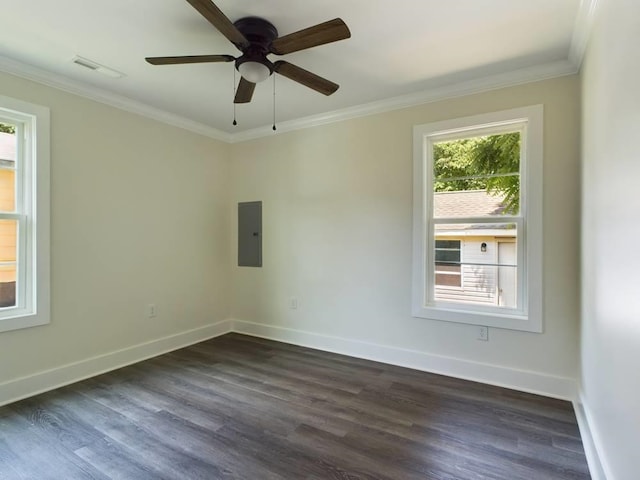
x=254 y=72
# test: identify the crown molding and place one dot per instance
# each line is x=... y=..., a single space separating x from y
x=469 y=87
x=29 y=72
x=582 y=31
x=479 y=85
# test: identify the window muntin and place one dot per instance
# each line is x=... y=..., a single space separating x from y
x=513 y=225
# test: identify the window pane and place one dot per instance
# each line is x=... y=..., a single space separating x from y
x=507 y=292
x=486 y=272
x=448 y=256
x=8 y=255
x=467 y=232
x=477 y=177
x=443 y=280
x=7 y=190
x=455 y=244
x=7 y=286
x=8 y=238
x=447 y=268
x=471 y=203
x=447 y=252
x=477 y=156
x=448 y=274
x=7 y=168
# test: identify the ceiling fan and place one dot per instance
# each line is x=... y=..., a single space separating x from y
x=256 y=38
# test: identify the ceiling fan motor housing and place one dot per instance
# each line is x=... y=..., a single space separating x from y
x=260 y=33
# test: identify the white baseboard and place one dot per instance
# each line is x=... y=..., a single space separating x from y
x=591 y=441
x=523 y=380
x=41 y=382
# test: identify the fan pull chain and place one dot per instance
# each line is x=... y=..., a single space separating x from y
x=234 y=100
x=274 y=102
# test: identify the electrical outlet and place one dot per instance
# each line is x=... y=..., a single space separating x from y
x=293 y=303
x=483 y=334
x=151 y=310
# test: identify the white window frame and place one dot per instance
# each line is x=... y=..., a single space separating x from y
x=32 y=213
x=528 y=316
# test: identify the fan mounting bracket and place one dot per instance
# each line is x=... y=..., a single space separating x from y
x=258 y=31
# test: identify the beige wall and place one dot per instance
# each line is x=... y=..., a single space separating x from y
x=145 y=213
x=338 y=232
x=610 y=217
x=140 y=214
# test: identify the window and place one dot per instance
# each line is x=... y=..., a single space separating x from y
x=478 y=220
x=24 y=214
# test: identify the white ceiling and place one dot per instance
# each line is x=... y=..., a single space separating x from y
x=397 y=47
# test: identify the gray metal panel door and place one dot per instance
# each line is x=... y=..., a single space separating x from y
x=250 y=234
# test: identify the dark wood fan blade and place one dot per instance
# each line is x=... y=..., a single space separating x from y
x=244 y=93
x=305 y=77
x=326 y=32
x=219 y=20
x=189 y=59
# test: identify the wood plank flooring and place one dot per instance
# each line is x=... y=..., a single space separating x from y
x=238 y=407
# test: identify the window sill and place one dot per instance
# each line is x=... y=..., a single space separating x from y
x=24 y=320
x=510 y=320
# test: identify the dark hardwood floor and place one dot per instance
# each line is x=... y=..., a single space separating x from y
x=239 y=407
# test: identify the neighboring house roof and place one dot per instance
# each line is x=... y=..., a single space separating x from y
x=471 y=203
x=7 y=146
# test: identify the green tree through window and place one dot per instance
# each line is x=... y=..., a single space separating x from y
x=490 y=163
x=4 y=128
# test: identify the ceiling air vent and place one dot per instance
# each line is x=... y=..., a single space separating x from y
x=96 y=67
